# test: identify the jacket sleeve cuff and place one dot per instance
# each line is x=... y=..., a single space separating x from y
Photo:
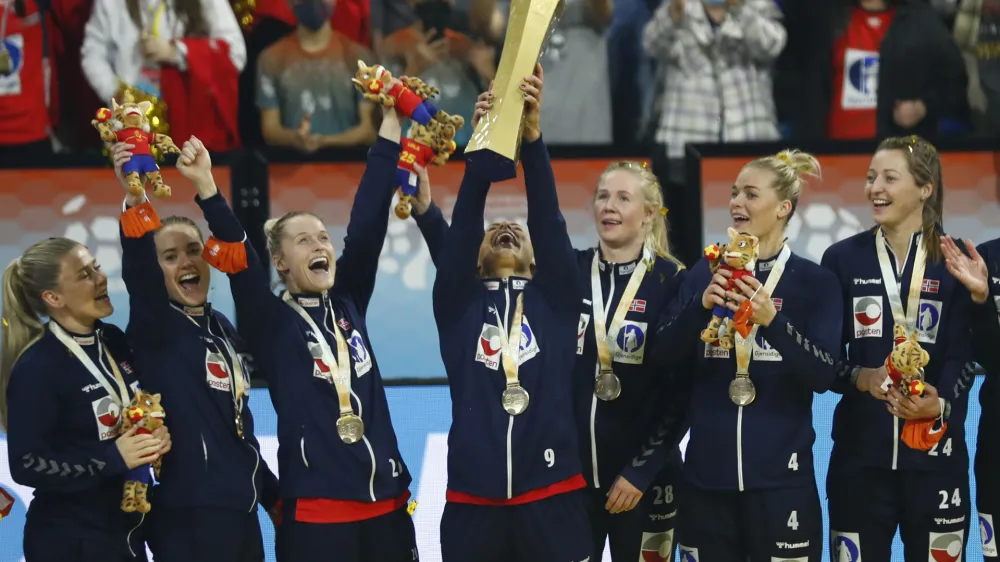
x=431 y=214
x=386 y=148
x=115 y=464
x=636 y=477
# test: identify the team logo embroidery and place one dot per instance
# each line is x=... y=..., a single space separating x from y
x=846 y=547
x=987 y=532
x=657 y=547
x=108 y=416
x=868 y=317
x=928 y=321
x=687 y=553
x=581 y=332
x=488 y=347
x=362 y=359
x=946 y=547
x=217 y=371
x=630 y=343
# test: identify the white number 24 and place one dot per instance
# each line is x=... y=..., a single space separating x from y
x=946 y=449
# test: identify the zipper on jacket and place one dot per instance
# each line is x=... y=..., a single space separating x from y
x=895 y=442
x=739 y=447
x=510 y=424
x=128 y=537
x=371 y=451
x=593 y=402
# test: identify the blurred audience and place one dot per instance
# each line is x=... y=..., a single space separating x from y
x=305 y=94
x=890 y=68
x=451 y=50
x=188 y=52
x=977 y=33
x=25 y=122
x=717 y=56
x=576 y=74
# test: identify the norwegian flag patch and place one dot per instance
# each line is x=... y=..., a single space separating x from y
x=930 y=286
x=638 y=305
x=777 y=303
x=344 y=324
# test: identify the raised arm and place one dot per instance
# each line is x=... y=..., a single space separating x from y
x=229 y=250
x=149 y=302
x=972 y=269
x=358 y=263
x=428 y=216
x=555 y=259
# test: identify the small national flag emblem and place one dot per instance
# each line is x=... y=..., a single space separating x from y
x=638 y=305
x=777 y=303
x=930 y=286
x=344 y=324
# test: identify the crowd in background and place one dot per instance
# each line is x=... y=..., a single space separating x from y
x=628 y=72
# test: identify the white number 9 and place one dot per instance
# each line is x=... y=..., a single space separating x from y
x=550 y=457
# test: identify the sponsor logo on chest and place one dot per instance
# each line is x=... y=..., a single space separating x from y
x=108 y=417
x=489 y=346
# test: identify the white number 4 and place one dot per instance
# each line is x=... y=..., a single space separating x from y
x=550 y=457
x=793 y=464
x=793 y=521
x=956 y=499
x=946 y=449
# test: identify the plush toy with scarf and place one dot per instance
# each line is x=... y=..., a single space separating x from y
x=420 y=148
x=409 y=96
x=739 y=258
x=905 y=367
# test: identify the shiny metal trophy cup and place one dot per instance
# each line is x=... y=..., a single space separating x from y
x=496 y=142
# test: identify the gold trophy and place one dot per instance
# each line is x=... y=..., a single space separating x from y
x=496 y=142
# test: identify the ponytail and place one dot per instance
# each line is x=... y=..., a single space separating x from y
x=24 y=281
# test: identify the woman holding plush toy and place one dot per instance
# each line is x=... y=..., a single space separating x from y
x=899 y=456
x=64 y=386
x=769 y=345
x=344 y=484
x=210 y=487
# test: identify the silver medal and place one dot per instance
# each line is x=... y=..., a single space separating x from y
x=608 y=387
x=350 y=428
x=742 y=391
x=515 y=400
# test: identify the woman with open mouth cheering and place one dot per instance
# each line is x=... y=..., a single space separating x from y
x=192 y=355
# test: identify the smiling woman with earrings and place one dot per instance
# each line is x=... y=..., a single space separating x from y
x=64 y=387
x=750 y=490
x=630 y=416
x=211 y=485
x=899 y=458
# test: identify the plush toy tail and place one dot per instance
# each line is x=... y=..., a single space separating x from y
x=921 y=435
x=227 y=257
x=741 y=320
x=139 y=220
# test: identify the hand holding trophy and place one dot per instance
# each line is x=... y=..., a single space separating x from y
x=514 y=99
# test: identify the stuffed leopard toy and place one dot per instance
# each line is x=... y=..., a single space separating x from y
x=739 y=257
x=146 y=413
x=409 y=96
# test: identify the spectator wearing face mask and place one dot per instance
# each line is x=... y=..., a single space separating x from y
x=450 y=50
x=888 y=68
x=305 y=94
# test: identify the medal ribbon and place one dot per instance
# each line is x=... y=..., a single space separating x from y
x=121 y=397
x=510 y=352
x=908 y=318
x=744 y=346
x=603 y=336
x=157 y=15
x=237 y=378
x=338 y=373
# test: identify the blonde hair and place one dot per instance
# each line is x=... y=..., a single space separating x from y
x=656 y=231
x=789 y=168
x=274 y=231
x=924 y=164
x=24 y=281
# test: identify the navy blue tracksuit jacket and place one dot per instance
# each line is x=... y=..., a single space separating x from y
x=767 y=444
x=313 y=461
x=182 y=354
x=635 y=435
x=864 y=433
x=492 y=454
x=61 y=442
